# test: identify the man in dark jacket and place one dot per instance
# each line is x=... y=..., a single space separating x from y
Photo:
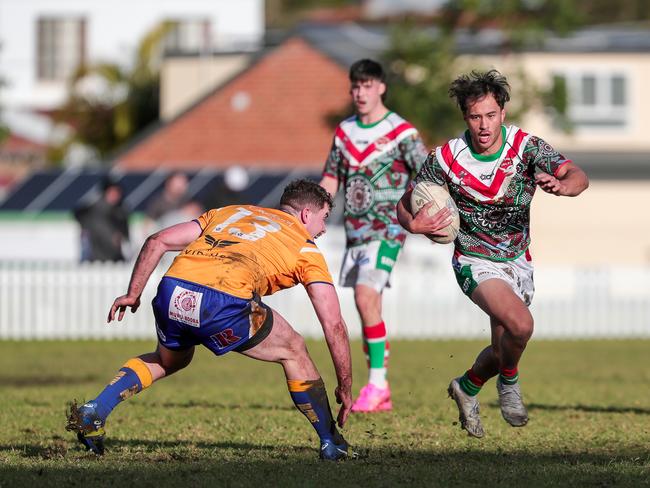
x=104 y=225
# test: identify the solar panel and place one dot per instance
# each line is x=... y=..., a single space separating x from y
x=29 y=190
x=75 y=191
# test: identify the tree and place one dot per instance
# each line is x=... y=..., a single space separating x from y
x=419 y=68
x=422 y=62
x=108 y=103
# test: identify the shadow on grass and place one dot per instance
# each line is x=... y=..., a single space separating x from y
x=166 y=463
x=224 y=406
x=582 y=408
x=45 y=380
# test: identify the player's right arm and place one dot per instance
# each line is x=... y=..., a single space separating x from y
x=174 y=238
x=421 y=222
x=328 y=310
x=330 y=178
x=330 y=183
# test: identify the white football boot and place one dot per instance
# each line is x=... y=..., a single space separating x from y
x=468 y=409
x=512 y=406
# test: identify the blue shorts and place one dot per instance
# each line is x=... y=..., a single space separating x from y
x=188 y=314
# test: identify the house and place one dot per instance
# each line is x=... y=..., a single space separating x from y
x=43 y=43
x=277 y=114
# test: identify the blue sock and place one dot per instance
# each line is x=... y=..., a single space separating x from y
x=132 y=378
x=310 y=398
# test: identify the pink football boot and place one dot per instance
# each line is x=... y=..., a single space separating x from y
x=373 y=399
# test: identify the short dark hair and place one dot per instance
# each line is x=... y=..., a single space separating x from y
x=302 y=193
x=367 y=69
x=109 y=181
x=478 y=84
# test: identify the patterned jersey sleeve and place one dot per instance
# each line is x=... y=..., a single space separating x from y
x=414 y=152
x=542 y=155
x=334 y=163
x=430 y=171
x=205 y=218
x=311 y=266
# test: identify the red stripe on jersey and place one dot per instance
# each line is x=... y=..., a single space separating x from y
x=562 y=164
x=360 y=156
x=470 y=180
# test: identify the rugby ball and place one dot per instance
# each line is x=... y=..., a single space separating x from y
x=427 y=191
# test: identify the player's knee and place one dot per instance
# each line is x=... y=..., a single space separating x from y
x=366 y=301
x=522 y=329
x=175 y=363
x=296 y=346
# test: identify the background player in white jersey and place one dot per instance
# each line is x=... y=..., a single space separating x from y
x=492 y=171
x=373 y=157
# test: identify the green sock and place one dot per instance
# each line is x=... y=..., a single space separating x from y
x=509 y=376
x=470 y=383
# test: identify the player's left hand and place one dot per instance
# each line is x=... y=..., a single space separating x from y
x=550 y=184
x=344 y=398
x=120 y=305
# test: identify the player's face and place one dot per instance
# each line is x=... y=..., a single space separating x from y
x=315 y=221
x=484 y=118
x=366 y=95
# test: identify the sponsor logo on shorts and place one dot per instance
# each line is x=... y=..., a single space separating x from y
x=466 y=284
x=225 y=338
x=185 y=306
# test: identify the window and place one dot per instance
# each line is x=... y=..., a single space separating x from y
x=597 y=99
x=61 y=47
x=188 y=36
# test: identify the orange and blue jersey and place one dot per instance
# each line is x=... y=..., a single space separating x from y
x=246 y=250
x=211 y=293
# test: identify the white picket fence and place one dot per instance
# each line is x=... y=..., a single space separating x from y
x=63 y=300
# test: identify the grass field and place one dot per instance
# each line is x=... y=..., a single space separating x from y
x=230 y=421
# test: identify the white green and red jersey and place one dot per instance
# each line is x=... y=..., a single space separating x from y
x=493 y=193
x=373 y=164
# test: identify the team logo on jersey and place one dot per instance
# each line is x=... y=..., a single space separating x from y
x=381 y=143
x=496 y=219
x=185 y=306
x=359 y=195
x=212 y=242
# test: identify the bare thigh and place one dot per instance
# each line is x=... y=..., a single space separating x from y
x=285 y=346
x=505 y=308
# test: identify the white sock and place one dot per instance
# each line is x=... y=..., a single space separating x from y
x=377 y=377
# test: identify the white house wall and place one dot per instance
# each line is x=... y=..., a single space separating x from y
x=540 y=67
x=113 y=31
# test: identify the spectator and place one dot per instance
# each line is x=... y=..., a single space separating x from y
x=172 y=205
x=230 y=190
x=104 y=226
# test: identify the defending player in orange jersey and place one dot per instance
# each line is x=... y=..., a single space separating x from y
x=210 y=296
